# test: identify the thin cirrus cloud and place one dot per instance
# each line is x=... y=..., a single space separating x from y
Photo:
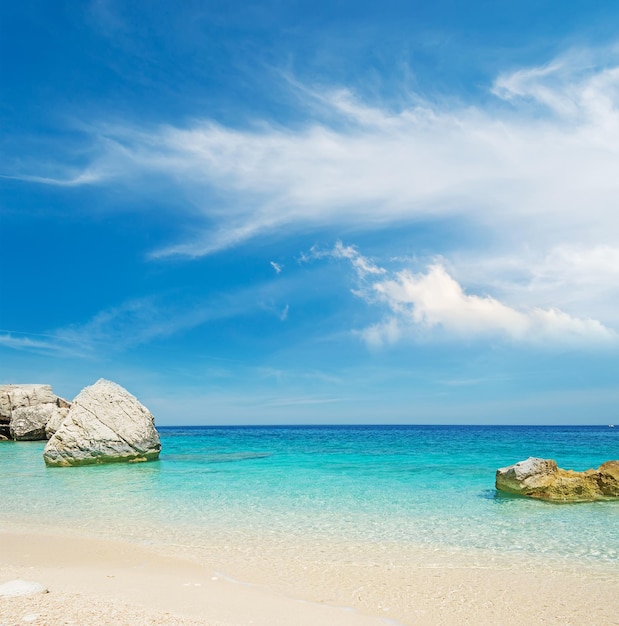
x=116 y=328
x=39 y=344
x=432 y=301
x=539 y=160
x=142 y=321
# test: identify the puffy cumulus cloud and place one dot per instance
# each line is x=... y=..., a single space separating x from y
x=432 y=302
x=435 y=299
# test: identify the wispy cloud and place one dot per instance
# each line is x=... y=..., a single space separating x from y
x=534 y=169
x=540 y=161
x=40 y=344
x=83 y=178
x=303 y=400
x=361 y=264
x=113 y=329
x=139 y=322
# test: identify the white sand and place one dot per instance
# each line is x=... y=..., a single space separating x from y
x=270 y=583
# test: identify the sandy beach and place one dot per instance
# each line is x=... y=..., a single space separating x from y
x=100 y=581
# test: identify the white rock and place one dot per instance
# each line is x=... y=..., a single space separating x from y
x=26 y=409
x=28 y=422
x=528 y=474
x=15 y=396
x=56 y=419
x=18 y=587
x=105 y=424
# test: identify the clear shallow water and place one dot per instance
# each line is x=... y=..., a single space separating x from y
x=418 y=485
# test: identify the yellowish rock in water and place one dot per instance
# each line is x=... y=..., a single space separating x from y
x=542 y=478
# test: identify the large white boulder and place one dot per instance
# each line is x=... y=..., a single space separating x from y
x=105 y=424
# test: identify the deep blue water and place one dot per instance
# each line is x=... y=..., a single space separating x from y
x=422 y=485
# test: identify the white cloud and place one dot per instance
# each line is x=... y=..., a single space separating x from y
x=141 y=321
x=132 y=323
x=295 y=401
x=539 y=163
x=435 y=300
x=581 y=279
x=361 y=264
x=432 y=301
x=83 y=178
x=40 y=344
x=277 y=267
x=534 y=170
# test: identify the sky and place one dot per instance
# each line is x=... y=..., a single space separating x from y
x=284 y=212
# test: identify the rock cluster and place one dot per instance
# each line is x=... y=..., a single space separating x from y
x=105 y=424
x=30 y=412
x=541 y=478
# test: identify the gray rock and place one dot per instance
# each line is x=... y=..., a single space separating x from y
x=105 y=424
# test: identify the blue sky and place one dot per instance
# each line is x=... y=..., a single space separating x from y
x=284 y=212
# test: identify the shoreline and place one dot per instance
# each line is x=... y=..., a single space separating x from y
x=264 y=585
x=102 y=579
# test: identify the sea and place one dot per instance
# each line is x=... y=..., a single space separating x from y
x=422 y=486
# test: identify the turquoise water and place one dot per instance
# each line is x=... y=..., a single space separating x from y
x=419 y=485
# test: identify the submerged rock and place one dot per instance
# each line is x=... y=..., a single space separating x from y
x=25 y=411
x=542 y=478
x=105 y=424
